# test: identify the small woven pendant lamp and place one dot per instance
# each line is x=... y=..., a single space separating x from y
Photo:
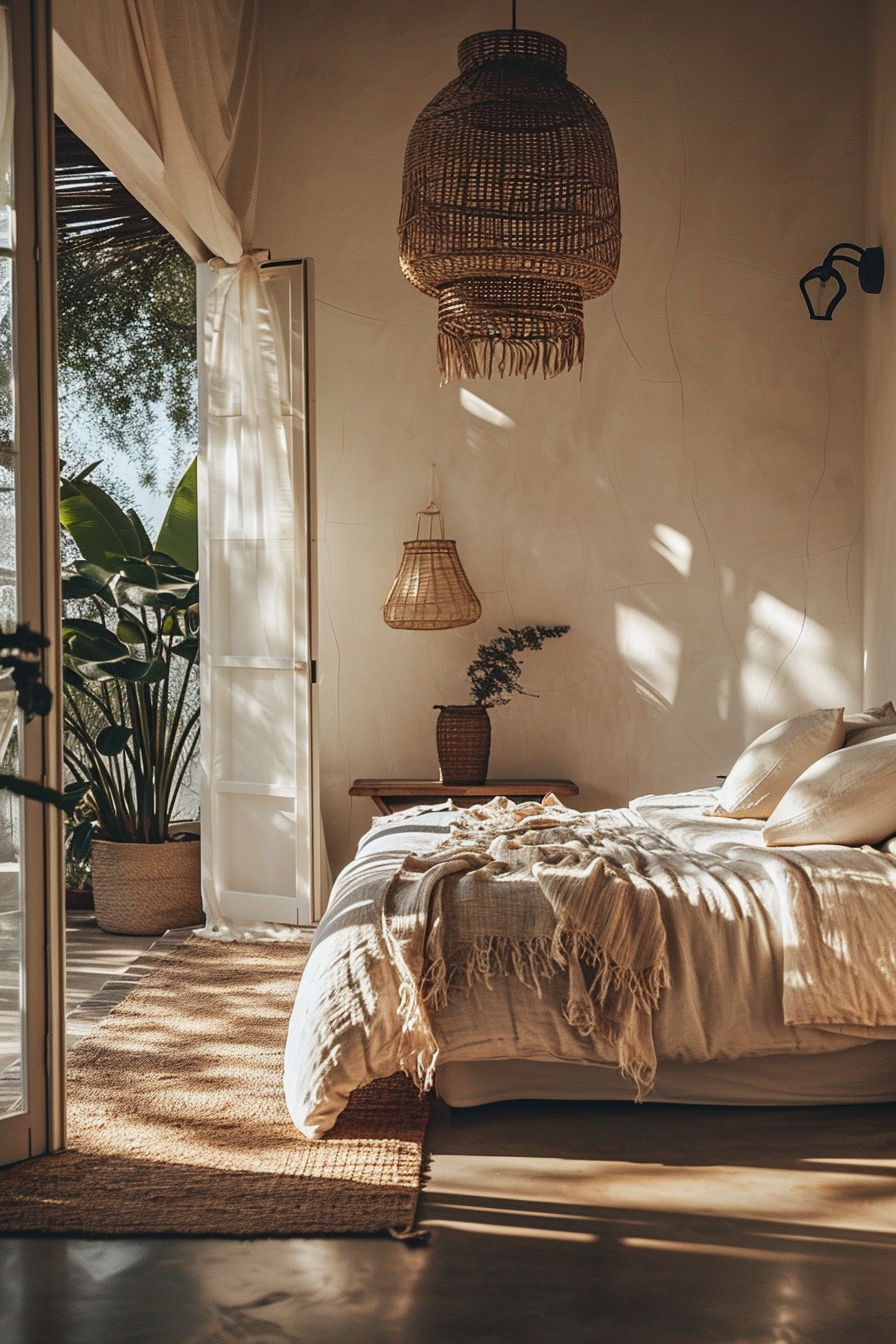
x=431 y=590
x=510 y=208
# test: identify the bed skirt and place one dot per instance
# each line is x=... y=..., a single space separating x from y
x=860 y=1075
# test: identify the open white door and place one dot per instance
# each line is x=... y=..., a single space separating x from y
x=261 y=856
x=32 y=930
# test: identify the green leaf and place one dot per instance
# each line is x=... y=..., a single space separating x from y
x=82 y=475
x=78 y=585
x=179 y=535
x=145 y=543
x=140 y=572
x=84 y=580
x=79 y=844
x=86 y=650
x=186 y=648
x=142 y=584
x=137 y=584
x=94 y=672
x=100 y=529
x=134 y=669
x=131 y=594
x=71 y=677
x=113 y=739
x=130 y=631
x=90 y=642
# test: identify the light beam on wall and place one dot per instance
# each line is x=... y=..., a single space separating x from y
x=483 y=411
x=651 y=651
x=673 y=546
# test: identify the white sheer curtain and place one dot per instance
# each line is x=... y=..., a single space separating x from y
x=258 y=791
x=7 y=107
x=165 y=92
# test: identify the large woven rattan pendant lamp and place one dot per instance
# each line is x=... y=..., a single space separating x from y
x=431 y=590
x=510 y=208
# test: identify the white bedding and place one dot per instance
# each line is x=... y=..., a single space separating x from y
x=770 y=952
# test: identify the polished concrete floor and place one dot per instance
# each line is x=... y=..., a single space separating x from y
x=579 y=1222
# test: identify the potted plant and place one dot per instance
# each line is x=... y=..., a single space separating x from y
x=130 y=642
x=464 y=732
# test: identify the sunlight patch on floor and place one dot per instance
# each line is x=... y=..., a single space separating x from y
x=707 y=1248
x=847 y=1200
x=509 y=1230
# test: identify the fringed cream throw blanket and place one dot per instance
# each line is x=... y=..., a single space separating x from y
x=545 y=896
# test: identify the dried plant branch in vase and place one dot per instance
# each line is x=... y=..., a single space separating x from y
x=495 y=674
x=463 y=732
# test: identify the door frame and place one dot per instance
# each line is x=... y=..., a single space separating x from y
x=41 y=1126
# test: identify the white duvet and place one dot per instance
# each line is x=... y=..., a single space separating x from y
x=769 y=951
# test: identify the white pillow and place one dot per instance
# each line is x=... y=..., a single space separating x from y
x=870 y=734
x=763 y=773
x=870 y=718
x=848 y=798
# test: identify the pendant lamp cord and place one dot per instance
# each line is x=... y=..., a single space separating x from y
x=513 y=11
x=432 y=482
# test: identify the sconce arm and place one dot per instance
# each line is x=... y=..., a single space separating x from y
x=833 y=256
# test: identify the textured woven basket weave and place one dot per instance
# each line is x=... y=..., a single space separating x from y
x=431 y=590
x=146 y=889
x=510 y=208
x=463 y=742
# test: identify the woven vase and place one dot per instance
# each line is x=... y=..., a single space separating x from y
x=463 y=742
x=146 y=889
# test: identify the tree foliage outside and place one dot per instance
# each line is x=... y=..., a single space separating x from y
x=127 y=329
x=127 y=358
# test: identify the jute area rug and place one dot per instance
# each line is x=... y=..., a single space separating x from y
x=177 y=1123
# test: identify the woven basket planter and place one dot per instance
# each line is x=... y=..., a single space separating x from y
x=146 y=889
x=463 y=741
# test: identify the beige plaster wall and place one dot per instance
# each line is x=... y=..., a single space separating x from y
x=692 y=505
x=880 y=415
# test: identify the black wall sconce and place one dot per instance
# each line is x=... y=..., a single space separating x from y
x=823 y=287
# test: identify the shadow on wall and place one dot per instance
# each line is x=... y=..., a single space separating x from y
x=689 y=634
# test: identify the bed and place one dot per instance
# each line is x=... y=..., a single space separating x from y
x=654 y=952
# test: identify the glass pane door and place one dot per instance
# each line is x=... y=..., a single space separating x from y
x=30 y=849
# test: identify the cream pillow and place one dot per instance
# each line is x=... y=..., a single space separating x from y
x=848 y=798
x=870 y=734
x=870 y=718
x=763 y=773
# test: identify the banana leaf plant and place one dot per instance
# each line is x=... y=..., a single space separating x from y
x=131 y=721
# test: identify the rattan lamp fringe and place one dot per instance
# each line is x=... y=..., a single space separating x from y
x=431 y=590
x=510 y=208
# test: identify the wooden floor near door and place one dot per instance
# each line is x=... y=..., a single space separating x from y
x=102 y=969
